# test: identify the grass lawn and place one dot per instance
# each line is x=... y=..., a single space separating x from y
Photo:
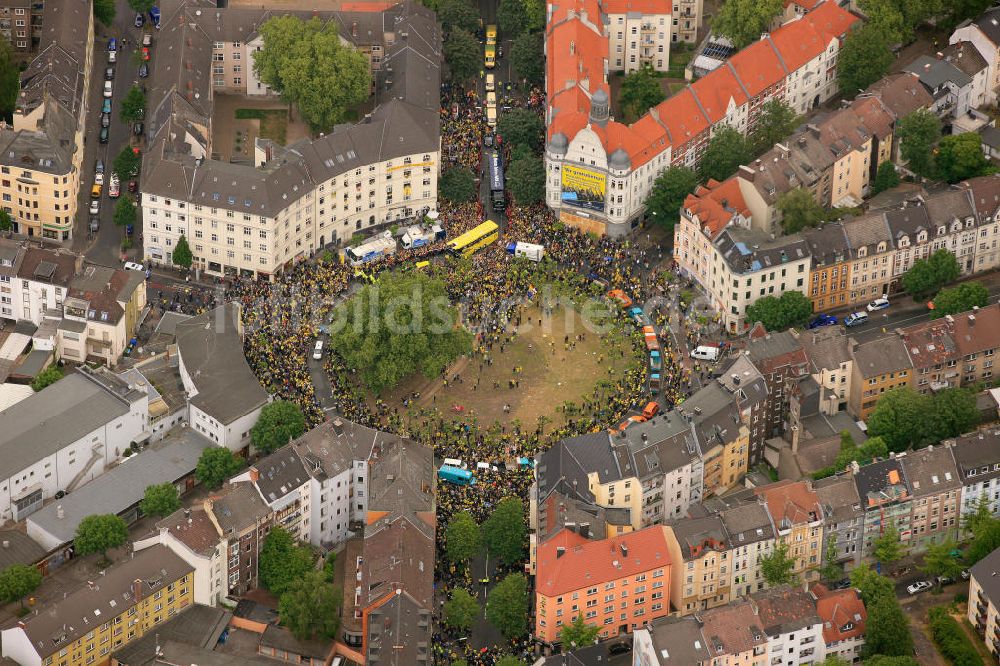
x=550 y=375
x=273 y=122
x=676 y=87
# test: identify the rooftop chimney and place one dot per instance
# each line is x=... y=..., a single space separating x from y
x=560 y=551
x=137 y=590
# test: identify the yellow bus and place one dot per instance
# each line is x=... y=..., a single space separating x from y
x=474 y=239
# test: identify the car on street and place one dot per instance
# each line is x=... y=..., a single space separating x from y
x=108 y=89
x=112 y=57
x=95 y=206
x=99 y=178
x=95 y=225
x=137 y=129
x=95 y=191
x=105 y=120
x=103 y=137
x=318 y=350
x=99 y=167
x=129 y=229
x=856 y=319
x=106 y=106
x=488 y=140
x=114 y=188
x=145 y=53
x=132 y=266
x=147 y=39
x=822 y=320
x=143 y=71
x=139 y=20
x=878 y=304
x=918 y=587
x=109 y=74
x=112 y=44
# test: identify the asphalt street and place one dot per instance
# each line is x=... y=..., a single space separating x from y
x=104 y=247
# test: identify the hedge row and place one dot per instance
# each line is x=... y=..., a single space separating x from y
x=952 y=640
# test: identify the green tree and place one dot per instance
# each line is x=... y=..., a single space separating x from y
x=141 y=6
x=401 y=324
x=669 y=191
x=791 y=309
x=527 y=57
x=831 y=570
x=578 y=634
x=871 y=584
x=104 y=11
x=461 y=538
x=507 y=606
x=726 y=151
x=126 y=164
x=458 y=15
x=743 y=21
x=886 y=177
x=918 y=133
x=182 y=255
x=18 y=581
x=834 y=660
x=311 y=607
x=864 y=59
x=959 y=10
x=961 y=298
x=520 y=127
x=951 y=639
x=887 y=548
x=282 y=561
x=6 y=221
x=96 y=534
x=307 y=63
x=641 y=90
x=939 y=561
x=984 y=542
x=133 y=106
x=960 y=156
x=10 y=79
x=887 y=631
x=927 y=276
x=505 y=532
x=462 y=53
x=882 y=660
x=886 y=16
x=776 y=122
x=526 y=180
x=976 y=521
x=799 y=210
x=777 y=566
x=47 y=377
x=161 y=499
x=512 y=17
x=125 y=212
x=457 y=185
x=216 y=464
x=279 y=423
x=461 y=610
x=953 y=412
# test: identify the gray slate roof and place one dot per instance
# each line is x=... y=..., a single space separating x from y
x=934 y=73
x=211 y=349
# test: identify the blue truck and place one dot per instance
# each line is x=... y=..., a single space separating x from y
x=654 y=383
x=639 y=317
x=456 y=475
x=154 y=16
x=655 y=361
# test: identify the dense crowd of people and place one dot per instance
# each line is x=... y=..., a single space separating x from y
x=492 y=292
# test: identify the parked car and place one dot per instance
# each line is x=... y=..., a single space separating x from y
x=143 y=71
x=99 y=178
x=129 y=229
x=108 y=89
x=112 y=44
x=132 y=266
x=822 y=320
x=109 y=74
x=878 y=304
x=145 y=53
x=318 y=350
x=137 y=129
x=99 y=167
x=95 y=206
x=112 y=57
x=147 y=39
x=95 y=191
x=139 y=20
x=114 y=189
x=106 y=106
x=918 y=587
x=95 y=225
x=103 y=137
x=856 y=319
x=105 y=120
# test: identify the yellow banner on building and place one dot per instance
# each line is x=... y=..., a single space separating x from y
x=583 y=188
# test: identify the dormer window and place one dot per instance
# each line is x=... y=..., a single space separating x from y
x=862 y=252
x=941 y=231
x=881 y=247
x=904 y=242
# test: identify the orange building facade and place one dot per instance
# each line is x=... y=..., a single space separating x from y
x=616 y=584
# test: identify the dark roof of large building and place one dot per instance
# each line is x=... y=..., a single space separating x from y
x=881 y=482
x=211 y=349
x=399 y=631
x=678 y=641
x=279 y=474
x=978 y=456
x=197 y=626
x=332 y=447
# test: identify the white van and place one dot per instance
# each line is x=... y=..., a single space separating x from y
x=486 y=467
x=705 y=353
x=455 y=462
x=318 y=350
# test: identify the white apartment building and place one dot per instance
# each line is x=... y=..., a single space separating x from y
x=283 y=484
x=794 y=630
x=224 y=396
x=599 y=170
x=984 y=34
x=984 y=600
x=751 y=537
x=638 y=39
x=66 y=435
x=977 y=457
x=256 y=219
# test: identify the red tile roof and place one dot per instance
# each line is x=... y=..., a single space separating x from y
x=799 y=42
x=832 y=20
x=584 y=562
x=716 y=203
x=682 y=117
x=839 y=609
x=717 y=90
x=793 y=501
x=647 y=7
x=757 y=66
